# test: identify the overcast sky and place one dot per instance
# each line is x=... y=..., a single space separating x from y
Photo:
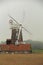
x=27 y=12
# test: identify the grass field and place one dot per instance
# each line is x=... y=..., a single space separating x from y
x=37 y=51
x=21 y=59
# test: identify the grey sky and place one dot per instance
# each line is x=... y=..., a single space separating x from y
x=33 y=18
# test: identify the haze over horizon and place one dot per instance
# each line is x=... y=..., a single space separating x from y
x=28 y=12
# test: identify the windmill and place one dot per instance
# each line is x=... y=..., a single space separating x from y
x=16 y=36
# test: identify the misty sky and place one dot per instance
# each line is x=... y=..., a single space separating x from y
x=27 y=12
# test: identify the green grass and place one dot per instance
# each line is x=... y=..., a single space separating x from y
x=37 y=51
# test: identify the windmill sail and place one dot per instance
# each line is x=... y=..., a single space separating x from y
x=17 y=35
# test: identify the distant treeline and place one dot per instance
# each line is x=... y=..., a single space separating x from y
x=35 y=44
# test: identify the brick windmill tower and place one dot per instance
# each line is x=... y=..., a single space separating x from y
x=16 y=35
